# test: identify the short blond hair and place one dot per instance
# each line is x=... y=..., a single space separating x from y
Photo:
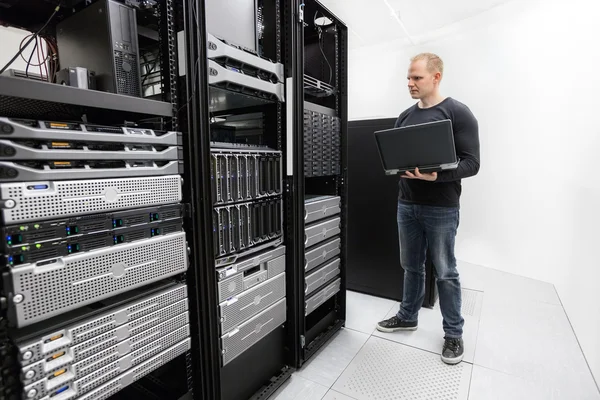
x=434 y=62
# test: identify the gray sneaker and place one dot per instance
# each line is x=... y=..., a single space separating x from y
x=396 y=324
x=453 y=351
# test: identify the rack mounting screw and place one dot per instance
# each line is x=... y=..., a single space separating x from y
x=31 y=394
x=27 y=355
x=30 y=374
x=18 y=298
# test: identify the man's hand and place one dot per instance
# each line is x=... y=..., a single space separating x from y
x=418 y=175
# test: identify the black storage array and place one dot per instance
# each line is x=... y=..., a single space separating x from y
x=97 y=290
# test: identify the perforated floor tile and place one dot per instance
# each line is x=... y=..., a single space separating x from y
x=385 y=370
x=430 y=334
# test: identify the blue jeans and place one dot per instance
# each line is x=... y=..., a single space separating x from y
x=420 y=227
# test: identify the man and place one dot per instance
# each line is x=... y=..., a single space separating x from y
x=428 y=208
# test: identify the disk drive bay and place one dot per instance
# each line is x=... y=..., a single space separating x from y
x=43 y=200
x=30 y=234
x=243 y=176
x=82 y=279
x=24 y=254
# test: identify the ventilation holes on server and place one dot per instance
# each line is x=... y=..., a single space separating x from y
x=82 y=280
x=127 y=74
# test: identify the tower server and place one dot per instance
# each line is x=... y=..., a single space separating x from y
x=91 y=235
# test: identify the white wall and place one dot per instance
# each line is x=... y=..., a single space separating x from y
x=11 y=39
x=529 y=72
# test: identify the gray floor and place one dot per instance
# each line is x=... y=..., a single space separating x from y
x=518 y=345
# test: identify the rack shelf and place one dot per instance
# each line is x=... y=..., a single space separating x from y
x=25 y=98
x=316 y=88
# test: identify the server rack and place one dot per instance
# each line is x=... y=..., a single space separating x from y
x=99 y=286
x=319 y=169
x=237 y=104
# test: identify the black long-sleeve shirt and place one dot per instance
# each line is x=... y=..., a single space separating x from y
x=446 y=190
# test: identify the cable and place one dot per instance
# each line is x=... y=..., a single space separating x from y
x=29 y=61
x=321 y=36
x=35 y=35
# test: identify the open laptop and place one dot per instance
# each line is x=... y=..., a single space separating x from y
x=429 y=146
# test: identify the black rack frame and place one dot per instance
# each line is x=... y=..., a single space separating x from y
x=41 y=100
x=242 y=377
x=314 y=334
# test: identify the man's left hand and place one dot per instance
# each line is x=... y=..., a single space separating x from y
x=418 y=175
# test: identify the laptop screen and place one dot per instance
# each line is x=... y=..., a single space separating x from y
x=430 y=144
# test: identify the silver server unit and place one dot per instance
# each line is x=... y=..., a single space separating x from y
x=319 y=207
x=69 y=362
x=49 y=288
x=109 y=388
x=322 y=230
x=252 y=331
x=321 y=276
x=61 y=132
x=237 y=278
x=320 y=297
x=42 y=200
x=110 y=48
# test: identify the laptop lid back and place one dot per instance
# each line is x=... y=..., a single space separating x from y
x=429 y=146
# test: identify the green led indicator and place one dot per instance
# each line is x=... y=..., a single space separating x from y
x=10 y=242
x=24 y=248
x=22 y=228
x=38 y=246
x=37 y=226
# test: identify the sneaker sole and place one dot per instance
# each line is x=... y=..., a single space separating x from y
x=452 y=361
x=392 y=330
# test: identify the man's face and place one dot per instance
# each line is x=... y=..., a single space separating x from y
x=421 y=82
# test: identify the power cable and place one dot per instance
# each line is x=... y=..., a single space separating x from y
x=35 y=35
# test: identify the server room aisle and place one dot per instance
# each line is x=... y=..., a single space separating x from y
x=519 y=344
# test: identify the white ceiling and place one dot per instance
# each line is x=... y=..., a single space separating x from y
x=375 y=21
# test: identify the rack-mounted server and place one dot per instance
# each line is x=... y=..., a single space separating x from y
x=68 y=244
x=322 y=246
x=94 y=252
x=61 y=131
x=228 y=54
x=42 y=200
x=84 y=356
x=239 y=175
x=247 y=197
x=251 y=301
